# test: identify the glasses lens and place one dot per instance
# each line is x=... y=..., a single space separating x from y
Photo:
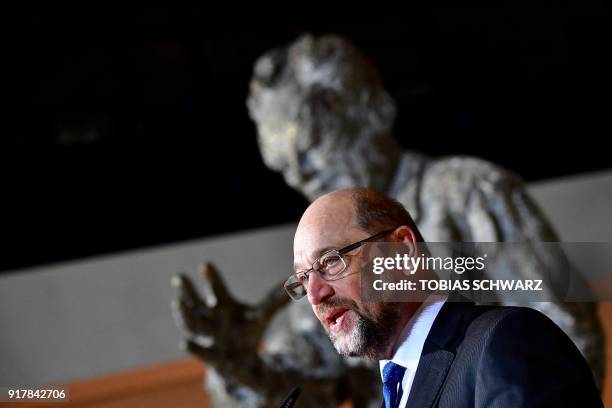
x=294 y=287
x=331 y=264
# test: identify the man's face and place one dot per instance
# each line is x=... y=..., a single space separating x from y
x=355 y=328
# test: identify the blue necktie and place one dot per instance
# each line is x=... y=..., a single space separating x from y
x=392 y=377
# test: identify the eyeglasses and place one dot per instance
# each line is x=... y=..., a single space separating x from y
x=329 y=266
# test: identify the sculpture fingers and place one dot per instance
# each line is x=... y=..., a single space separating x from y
x=187 y=293
x=178 y=317
x=188 y=309
x=217 y=293
x=199 y=320
x=202 y=348
x=275 y=299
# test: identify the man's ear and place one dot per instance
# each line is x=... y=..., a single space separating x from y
x=406 y=236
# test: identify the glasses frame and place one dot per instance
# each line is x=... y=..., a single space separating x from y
x=340 y=252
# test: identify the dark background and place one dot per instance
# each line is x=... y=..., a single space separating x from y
x=128 y=128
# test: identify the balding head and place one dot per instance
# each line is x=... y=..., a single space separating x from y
x=332 y=208
x=353 y=209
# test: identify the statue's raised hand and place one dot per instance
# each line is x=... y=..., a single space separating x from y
x=227 y=335
x=219 y=328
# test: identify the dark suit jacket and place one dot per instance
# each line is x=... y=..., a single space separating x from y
x=487 y=356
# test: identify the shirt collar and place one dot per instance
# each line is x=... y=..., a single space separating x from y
x=415 y=333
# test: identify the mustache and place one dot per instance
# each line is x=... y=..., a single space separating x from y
x=344 y=303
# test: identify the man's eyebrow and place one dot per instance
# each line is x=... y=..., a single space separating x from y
x=315 y=254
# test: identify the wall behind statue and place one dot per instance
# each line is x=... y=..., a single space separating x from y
x=80 y=319
x=121 y=122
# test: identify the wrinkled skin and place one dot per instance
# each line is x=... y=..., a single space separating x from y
x=325 y=121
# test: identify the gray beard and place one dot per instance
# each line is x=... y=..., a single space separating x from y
x=371 y=336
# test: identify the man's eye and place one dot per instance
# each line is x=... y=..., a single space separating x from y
x=331 y=261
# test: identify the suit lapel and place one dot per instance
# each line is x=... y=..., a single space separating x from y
x=430 y=376
x=436 y=358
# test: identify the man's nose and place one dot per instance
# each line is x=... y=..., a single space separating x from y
x=319 y=289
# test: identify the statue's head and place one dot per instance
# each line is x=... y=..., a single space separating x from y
x=323 y=117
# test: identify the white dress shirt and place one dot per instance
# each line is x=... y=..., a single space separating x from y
x=414 y=334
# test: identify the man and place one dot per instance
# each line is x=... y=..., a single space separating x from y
x=438 y=353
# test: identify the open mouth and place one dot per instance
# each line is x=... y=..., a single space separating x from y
x=336 y=318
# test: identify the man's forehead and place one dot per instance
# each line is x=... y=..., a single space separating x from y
x=313 y=241
x=326 y=224
x=315 y=235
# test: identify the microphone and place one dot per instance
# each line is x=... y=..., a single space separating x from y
x=293 y=396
